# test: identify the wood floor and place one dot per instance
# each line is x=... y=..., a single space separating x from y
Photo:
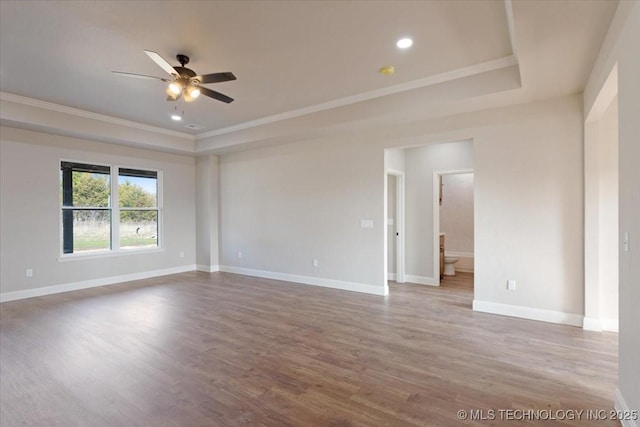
x=199 y=349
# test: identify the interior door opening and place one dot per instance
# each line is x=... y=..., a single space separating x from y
x=602 y=231
x=454 y=221
x=395 y=226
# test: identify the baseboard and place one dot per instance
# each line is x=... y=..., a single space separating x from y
x=207 y=268
x=621 y=406
x=308 y=280
x=464 y=270
x=421 y=280
x=391 y=276
x=591 y=324
x=85 y=284
x=610 y=325
x=530 y=313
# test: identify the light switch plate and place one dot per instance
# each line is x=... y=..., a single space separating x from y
x=366 y=223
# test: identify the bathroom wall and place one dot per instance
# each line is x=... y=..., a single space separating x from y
x=456 y=218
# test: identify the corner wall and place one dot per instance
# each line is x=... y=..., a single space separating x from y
x=207 y=213
x=621 y=47
x=529 y=215
x=284 y=206
x=30 y=217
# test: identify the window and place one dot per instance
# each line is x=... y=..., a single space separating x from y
x=108 y=208
x=138 y=202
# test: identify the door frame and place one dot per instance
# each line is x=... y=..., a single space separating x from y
x=400 y=240
x=436 y=217
x=594 y=262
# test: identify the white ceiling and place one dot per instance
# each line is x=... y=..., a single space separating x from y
x=290 y=57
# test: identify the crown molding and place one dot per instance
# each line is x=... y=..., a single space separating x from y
x=32 y=102
x=459 y=73
x=508 y=5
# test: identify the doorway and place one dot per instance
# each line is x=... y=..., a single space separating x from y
x=453 y=222
x=395 y=225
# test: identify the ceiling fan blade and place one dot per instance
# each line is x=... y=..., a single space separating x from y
x=215 y=95
x=140 y=76
x=161 y=62
x=216 y=77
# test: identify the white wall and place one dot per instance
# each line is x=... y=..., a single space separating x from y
x=621 y=47
x=207 y=213
x=281 y=206
x=529 y=214
x=421 y=163
x=395 y=159
x=30 y=218
x=284 y=206
x=608 y=197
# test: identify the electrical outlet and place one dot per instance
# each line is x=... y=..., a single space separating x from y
x=181 y=254
x=315 y=263
x=511 y=285
x=28 y=272
x=239 y=254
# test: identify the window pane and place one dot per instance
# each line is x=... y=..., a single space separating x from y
x=86 y=189
x=137 y=189
x=91 y=230
x=138 y=229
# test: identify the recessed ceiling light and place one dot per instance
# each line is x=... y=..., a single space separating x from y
x=176 y=117
x=404 y=43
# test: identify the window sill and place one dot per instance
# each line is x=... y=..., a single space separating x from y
x=107 y=254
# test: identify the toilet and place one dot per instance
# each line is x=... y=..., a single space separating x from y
x=449 y=267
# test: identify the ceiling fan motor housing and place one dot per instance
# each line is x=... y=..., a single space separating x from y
x=182 y=59
x=185 y=72
x=182 y=70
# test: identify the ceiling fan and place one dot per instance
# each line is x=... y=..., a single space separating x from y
x=184 y=82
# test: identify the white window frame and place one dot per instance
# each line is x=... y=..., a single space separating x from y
x=115 y=209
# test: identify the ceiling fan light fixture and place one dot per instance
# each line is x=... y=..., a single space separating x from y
x=171 y=95
x=193 y=91
x=176 y=87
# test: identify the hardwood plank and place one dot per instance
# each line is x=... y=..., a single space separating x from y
x=199 y=349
